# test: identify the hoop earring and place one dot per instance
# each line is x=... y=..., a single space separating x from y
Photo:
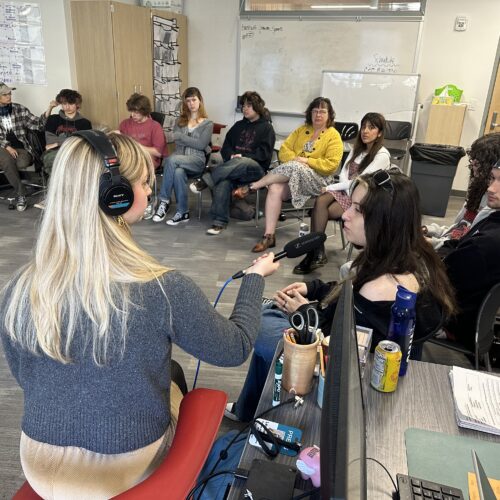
x=120 y=220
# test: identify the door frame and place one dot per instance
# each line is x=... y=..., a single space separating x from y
x=490 y=91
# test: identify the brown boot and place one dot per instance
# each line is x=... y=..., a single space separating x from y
x=241 y=192
x=268 y=241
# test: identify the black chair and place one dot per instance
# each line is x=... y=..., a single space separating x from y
x=484 y=333
x=33 y=176
x=399 y=132
x=158 y=117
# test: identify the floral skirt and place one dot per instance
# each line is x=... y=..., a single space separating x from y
x=304 y=182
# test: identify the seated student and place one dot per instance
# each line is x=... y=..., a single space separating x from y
x=145 y=131
x=192 y=134
x=15 y=151
x=384 y=220
x=60 y=126
x=483 y=153
x=88 y=325
x=246 y=151
x=473 y=266
x=368 y=155
x=309 y=157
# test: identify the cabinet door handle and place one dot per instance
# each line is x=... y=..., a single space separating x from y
x=493 y=123
x=140 y=89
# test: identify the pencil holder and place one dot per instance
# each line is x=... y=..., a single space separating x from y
x=298 y=366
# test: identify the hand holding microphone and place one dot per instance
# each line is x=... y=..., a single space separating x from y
x=292 y=249
x=265 y=265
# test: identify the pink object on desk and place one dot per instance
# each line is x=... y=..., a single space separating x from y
x=308 y=465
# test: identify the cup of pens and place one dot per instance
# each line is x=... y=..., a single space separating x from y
x=299 y=362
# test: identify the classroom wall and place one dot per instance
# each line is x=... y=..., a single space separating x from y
x=463 y=58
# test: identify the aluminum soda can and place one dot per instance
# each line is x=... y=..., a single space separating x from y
x=303 y=229
x=386 y=363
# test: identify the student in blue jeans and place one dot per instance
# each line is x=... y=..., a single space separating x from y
x=192 y=134
x=385 y=221
x=247 y=152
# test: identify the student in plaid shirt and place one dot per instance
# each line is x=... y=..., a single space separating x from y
x=15 y=119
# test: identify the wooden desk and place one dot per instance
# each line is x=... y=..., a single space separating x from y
x=387 y=418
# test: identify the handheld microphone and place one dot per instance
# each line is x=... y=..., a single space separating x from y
x=294 y=248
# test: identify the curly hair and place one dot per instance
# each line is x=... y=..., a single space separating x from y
x=258 y=104
x=483 y=153
x=69 y=96
x=321 y=102
x=139 y=103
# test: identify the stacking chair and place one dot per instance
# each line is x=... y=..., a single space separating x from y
x=400 y=132
x=200 y=416
x=484 y=333
x=33 y=176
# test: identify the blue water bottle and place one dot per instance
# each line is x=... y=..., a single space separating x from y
x=402 y=324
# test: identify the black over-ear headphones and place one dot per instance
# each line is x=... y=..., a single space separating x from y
x=115 y=192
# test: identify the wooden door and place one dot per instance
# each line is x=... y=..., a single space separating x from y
x=94 y=61
x=133 y=53
x=493 y=119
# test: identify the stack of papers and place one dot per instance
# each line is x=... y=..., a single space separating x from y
x=477 y=399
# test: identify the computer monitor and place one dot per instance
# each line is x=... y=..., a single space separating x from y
x=343 y=429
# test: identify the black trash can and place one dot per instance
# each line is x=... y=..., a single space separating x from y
x=433 y=169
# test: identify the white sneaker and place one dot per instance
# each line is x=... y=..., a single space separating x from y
x=161 y=212
x=178 y=218
x=148 y=213
x=214 y=230
x=21 y=203
x=229 y=412
x=40 y=205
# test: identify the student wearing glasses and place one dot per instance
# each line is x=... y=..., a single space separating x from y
x=309 y=158
x=368 y=155
x=384 y=221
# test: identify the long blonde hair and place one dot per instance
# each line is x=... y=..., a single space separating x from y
x=84 y=261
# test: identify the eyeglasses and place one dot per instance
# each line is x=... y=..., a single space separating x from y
x=320 y=111
x=382 y=179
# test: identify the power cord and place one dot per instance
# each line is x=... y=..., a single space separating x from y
x=387 y=471
x=241 y=473
x=215 y=305
x=224 y=453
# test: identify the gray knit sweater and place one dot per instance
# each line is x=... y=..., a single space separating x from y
x=125 y=405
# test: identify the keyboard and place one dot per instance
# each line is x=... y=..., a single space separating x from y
x=412 y=488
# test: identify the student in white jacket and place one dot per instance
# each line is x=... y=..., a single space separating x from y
x=368 y=155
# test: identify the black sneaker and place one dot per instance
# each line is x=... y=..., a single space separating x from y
x=197 y=186
x=178 y=218
x=161 y=211
x=21 y=203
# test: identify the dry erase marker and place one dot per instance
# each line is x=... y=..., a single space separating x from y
x=278 y=375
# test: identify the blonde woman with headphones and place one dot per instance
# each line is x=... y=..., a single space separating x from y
x=88 y=336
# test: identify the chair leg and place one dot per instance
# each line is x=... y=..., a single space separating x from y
x=200 y=200
x=257 y=205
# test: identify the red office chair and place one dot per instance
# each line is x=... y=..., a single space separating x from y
x=200 y=416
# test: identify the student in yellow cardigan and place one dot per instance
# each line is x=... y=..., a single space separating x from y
x=309 y=158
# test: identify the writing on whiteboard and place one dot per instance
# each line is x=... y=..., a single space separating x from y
x=252 y=30
x=382 y=64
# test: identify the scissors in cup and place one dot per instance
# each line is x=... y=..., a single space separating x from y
x=305 y=322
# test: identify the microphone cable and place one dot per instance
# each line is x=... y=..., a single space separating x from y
x=215 y=306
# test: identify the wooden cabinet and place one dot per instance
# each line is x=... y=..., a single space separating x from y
x=113 y=46
x=445 y=124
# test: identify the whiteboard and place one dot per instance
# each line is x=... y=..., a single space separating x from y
x=355 y=94
x=283 y=59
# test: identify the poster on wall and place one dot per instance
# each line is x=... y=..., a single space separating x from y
x=166 y=71
x=22 y=54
